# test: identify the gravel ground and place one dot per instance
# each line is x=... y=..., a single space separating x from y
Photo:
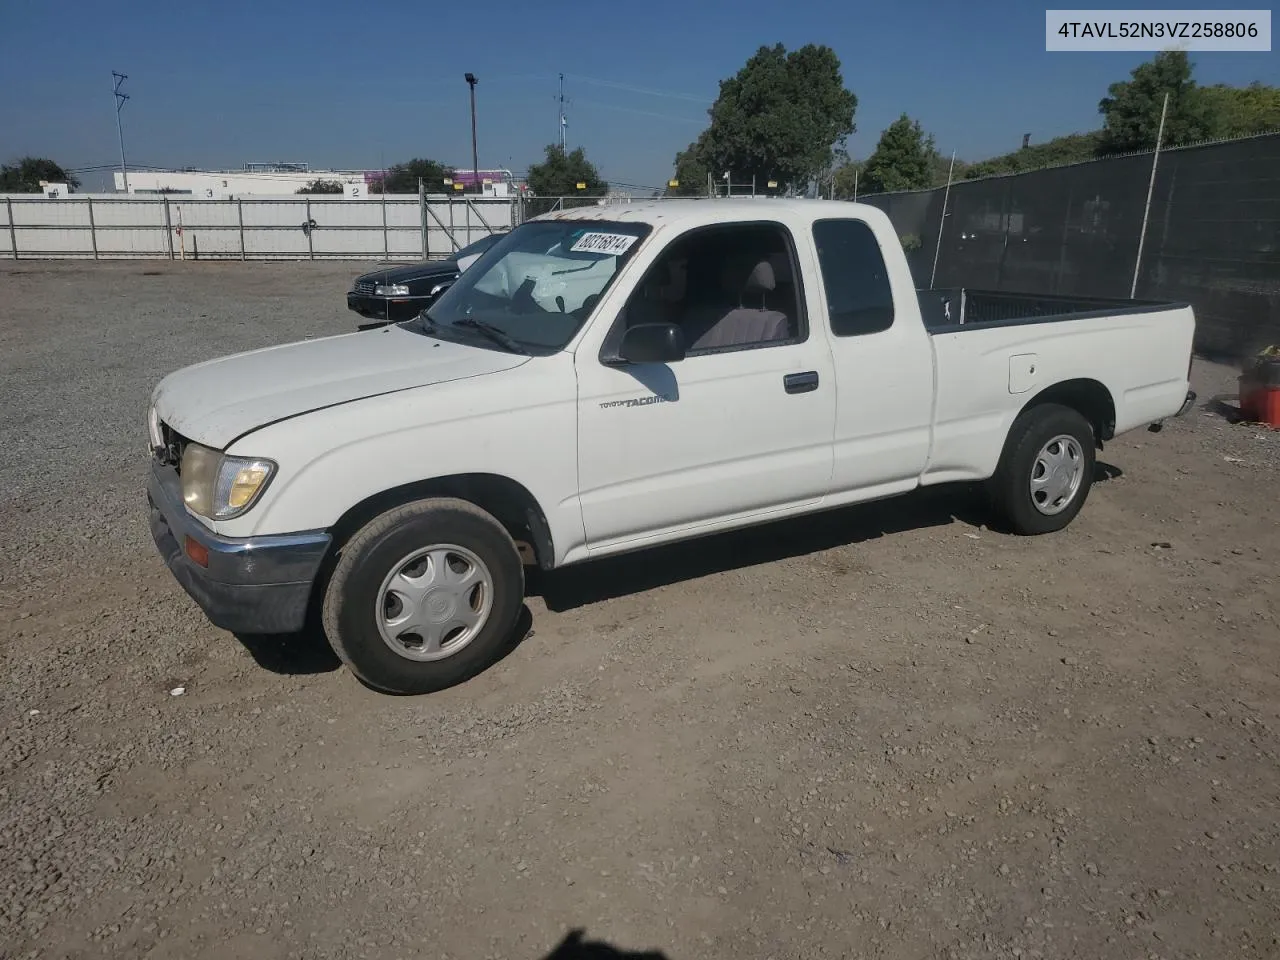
x=887 y=732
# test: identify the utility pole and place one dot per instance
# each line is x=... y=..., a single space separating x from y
x=563 y=121
x=475 y=155
x=120 y=78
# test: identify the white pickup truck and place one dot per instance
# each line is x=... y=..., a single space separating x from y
x=609 y=378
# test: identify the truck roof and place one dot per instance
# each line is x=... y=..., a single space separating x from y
x=709 y=210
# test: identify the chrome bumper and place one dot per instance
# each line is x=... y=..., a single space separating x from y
x=250 y=585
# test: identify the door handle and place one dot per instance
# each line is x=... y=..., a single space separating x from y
x=800 y=382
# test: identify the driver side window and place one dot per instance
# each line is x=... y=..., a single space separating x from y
x=729 y=287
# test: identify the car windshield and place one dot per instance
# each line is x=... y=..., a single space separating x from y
x=535 y=287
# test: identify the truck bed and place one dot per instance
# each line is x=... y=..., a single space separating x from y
x=950 y=309
x=994 y=352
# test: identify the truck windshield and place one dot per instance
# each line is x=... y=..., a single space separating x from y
x=536 y=286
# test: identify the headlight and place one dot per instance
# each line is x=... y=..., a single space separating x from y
x=153 y=429
x=395 y=290
x=220 y=487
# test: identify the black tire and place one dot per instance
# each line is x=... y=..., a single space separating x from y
x=351 y=599
x=1010 y=488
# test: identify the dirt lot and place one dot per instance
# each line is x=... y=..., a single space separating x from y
x=886 y=732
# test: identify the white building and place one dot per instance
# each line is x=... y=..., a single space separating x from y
x=276 y=179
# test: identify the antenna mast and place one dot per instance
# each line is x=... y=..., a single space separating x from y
x=119 y=79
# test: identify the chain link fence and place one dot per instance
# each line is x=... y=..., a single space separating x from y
x=110 y=226
x=1212 y=235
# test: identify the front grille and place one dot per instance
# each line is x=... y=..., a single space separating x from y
x=175 y=443
x=364 y=287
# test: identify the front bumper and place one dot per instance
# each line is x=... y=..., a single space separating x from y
x=249 y=585
x=384 y=309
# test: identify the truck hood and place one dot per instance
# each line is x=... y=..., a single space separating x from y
x=219 y=401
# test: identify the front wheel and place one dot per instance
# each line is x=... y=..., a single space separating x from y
x=424 y=596
x=1045 y=471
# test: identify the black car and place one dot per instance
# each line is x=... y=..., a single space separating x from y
x=393 y=294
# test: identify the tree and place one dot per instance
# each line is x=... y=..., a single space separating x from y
x=25 y=175
x=403 y=177
x=1073 y=148
x=940 y=169
x=904 y=159
x=1241 y=111
x=850 y=179
x=691 y=170
x=1132 y=118
x=1131 y=111
x=322 y=186
x=559 y=175
x=781 y=117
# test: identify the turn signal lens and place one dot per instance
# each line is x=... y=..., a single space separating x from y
x=197 y=552
x=245 y=484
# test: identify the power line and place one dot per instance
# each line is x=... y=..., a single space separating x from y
x=647 y=91
x=642 y=113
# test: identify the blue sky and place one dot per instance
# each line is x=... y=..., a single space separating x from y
x=359 y=85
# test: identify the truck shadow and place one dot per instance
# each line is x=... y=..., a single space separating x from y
x=575 y=947
x=308 y=652
x=618 y=576
x=291 y=654
x=612 y=577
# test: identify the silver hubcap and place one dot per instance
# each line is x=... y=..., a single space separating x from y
x=1056 y=474
x=434 y=602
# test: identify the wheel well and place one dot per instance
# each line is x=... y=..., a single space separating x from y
x=506 y=500
x=1089 y=398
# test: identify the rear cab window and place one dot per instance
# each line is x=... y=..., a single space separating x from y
x=854 y=277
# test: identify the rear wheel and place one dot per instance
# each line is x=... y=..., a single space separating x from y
x=424 y=596
x=1045 y=471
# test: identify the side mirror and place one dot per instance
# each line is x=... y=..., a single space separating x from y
x=652 y=343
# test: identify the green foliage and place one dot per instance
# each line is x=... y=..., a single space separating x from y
x=1241 y=111
x=559 y=175
x=1218 y=112
x=1131 y=111
x=25 y=175
x=322 y=186
x=1073 y=148
x=904 y=159
x=403 y=177
x=691 y=170
x=781 y=117
x=910 y=242
x=848 y=176
x=941 y=169
x=1131 y=116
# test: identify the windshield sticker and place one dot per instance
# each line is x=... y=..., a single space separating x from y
x=614 y=244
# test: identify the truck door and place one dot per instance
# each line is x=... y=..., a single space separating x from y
x=741 y=426
x=883 y=359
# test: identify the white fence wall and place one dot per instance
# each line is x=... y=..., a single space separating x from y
x=110 y=226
